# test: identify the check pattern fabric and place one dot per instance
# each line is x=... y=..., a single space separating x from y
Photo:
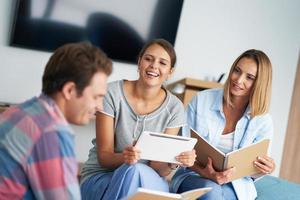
x=37 y=159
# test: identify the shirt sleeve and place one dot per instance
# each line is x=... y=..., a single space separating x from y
x=190 y=114
x=52 y=167
x=109 y=102
x=176 y=110
x=265 y=131
x=265 y=128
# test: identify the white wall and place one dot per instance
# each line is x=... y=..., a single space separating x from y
x=212 y=33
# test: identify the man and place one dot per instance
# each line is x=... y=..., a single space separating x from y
x=37 y=159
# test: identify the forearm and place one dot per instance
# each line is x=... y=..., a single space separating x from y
x=110 y=160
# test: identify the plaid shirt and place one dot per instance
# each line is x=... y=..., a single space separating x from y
x=37 y=159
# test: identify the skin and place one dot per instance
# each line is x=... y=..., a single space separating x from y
x=80 y=109
x=241 y=83
x=144 y=96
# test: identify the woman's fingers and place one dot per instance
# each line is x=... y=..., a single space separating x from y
x=264 y=169
x=224 y=176
x=131 y=155
x=268 y=161
x=265 y=164
x=219 y=177
x=132 y=149
x=209 y=165
x=187 y=158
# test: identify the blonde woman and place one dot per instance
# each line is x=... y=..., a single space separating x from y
x=229 y=119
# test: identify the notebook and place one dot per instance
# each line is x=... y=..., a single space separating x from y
x=242 y=159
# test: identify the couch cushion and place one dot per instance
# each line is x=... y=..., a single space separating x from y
x=270 y=187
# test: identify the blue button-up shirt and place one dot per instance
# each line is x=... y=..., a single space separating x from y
x=205 y=115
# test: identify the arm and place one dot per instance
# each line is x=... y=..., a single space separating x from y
x=52 y=170
x=105 y=145
x=265 y=164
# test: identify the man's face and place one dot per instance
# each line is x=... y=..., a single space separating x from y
x=81 y=108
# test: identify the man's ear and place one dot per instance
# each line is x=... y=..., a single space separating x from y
x=69 y=90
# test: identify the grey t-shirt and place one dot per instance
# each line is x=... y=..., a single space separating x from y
x=128 y=125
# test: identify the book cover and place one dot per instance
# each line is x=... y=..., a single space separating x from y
x=146 y=194
x=242 y=159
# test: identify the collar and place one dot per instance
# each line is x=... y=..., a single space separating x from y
x=217 y=105
x=47 y=99
x=53 y=108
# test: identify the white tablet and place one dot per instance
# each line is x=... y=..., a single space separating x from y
x=163 y=147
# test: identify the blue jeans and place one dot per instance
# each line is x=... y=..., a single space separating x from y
x=123 y=182
x=218 y=192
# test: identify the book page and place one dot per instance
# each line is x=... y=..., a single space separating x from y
x=243 y=158
x=205 y=150
x=147 y=194
x=195 y=194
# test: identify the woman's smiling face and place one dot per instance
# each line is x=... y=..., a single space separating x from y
x=155 y=65
x=243 y=77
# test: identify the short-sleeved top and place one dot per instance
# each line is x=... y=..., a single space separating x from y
x=128 y=125
x=37 y=158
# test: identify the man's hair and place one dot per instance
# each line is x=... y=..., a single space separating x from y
x=75 y=62
x=167 y=46
x=260 y=95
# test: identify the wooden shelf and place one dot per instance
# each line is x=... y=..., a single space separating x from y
x=4 y=106
x=192 y=86
x=2 y=109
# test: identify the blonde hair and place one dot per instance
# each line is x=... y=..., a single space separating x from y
x=260 y=95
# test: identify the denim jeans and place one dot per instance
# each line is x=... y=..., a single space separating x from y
x=123 y=182
x=218 y=192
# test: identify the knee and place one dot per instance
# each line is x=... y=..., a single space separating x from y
x=193 y=182
x=138 y=168
x=216 y=191
x=210 y=183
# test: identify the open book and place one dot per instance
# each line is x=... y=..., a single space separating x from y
x=163 y=147
x=146 y=194
x=242 y=159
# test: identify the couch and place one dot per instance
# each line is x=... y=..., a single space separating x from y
x=272 y=188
